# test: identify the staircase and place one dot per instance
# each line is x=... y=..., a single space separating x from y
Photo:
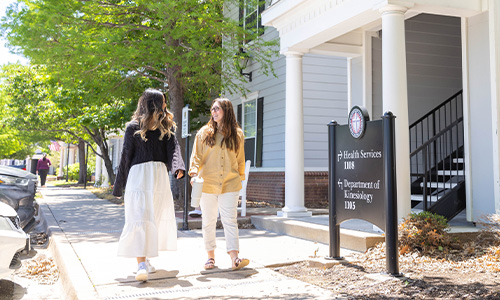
x=436 y=159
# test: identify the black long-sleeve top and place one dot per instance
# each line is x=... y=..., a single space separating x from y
x=136 y=151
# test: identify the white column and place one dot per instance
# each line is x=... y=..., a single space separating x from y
x=98 y=164
x=100 y=170
x=62 y=160
x=71 y=155
x=395 y=96
x=467 y=117
x=294 y=139
x=367 y=73
x=104 y=175
x=349 y=83
x=494 y=41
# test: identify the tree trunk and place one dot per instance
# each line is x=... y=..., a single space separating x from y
x=176 y=98
x=81 y=158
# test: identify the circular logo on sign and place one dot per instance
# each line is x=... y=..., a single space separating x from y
x=357 y=121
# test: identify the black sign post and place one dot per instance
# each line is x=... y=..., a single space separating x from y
x=332 y=201
x=391 y=227
x=362 y=181
x=185 y=134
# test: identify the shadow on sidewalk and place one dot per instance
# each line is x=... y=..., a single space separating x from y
x=217 y=273
x=161 y=278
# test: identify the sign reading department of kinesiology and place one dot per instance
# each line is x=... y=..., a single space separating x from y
x=359 y=169
x=362 y=179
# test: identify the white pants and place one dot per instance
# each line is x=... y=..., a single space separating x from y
x=226 y=204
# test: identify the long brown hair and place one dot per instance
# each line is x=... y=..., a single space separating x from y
x=229 y=127
x=151 y=116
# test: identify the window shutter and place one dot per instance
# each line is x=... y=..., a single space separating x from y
x=260 y=27
x=238 y=114
x=259 y=137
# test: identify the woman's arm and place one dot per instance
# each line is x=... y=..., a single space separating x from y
x=240 y=156
x=174 y=155
x=125 y=162
x=196 y=156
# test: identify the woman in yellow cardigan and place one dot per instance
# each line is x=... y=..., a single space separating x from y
x=219 y=158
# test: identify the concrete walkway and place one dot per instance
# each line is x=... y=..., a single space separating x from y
x=84 y=237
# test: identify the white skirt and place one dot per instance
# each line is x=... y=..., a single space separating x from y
x=150 y=224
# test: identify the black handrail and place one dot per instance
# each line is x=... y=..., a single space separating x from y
x=436 y=140
x=436 y=108
x=437 y=136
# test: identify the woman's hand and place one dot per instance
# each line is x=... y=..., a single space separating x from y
x=192 y=178
x=180 y=173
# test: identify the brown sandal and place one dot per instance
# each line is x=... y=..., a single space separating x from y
x=240 y=263
x=210 y=264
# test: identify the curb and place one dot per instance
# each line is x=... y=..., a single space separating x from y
x=349 y=239
x=74 y=279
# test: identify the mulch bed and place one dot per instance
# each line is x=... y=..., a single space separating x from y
x=471 y=272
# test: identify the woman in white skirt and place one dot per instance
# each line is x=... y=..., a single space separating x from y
x=219 y=158
x=150 y=151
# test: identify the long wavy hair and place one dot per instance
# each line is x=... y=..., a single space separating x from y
x=228 y=128
x=151 y=116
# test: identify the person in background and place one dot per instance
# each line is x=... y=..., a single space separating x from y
x=219 y=158
x=150 y=151
x=42 y=168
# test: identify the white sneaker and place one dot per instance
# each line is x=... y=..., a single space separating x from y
x=150 y=267
x=142 y=272
x=195 y=213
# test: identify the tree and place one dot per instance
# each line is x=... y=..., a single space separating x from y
x=187 y=46
x=38 y=104
x=13 y=143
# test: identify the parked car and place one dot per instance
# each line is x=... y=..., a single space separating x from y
x=17 y=189
x=13 y=240
x=22 y=167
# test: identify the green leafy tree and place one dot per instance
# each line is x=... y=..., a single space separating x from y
x=13 y=142
x=187 y=47
x=39 y=105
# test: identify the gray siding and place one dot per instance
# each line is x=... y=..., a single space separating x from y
x=434 y=63
x=273 y=90
x=325 y=99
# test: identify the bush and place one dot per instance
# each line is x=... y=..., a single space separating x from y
x=74 y=171
x=425 y=232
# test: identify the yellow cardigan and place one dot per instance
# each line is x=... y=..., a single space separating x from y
x=221 y=169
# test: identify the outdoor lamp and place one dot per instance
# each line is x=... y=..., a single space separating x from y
x=241 y=61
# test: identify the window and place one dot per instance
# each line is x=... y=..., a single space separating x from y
x=250 y=16
x=250 y=114
x=250 y=118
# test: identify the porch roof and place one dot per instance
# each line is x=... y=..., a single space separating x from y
x=336 y=27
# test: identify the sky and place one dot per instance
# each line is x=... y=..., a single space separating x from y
x=5 y=55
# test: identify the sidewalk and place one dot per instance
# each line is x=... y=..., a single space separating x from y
x=84 y=237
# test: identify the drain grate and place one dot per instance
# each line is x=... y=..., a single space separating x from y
x=184 y=290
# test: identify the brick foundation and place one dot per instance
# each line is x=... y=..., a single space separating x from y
x=270 y=187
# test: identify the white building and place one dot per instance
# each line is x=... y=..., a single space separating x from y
x=407 y=57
